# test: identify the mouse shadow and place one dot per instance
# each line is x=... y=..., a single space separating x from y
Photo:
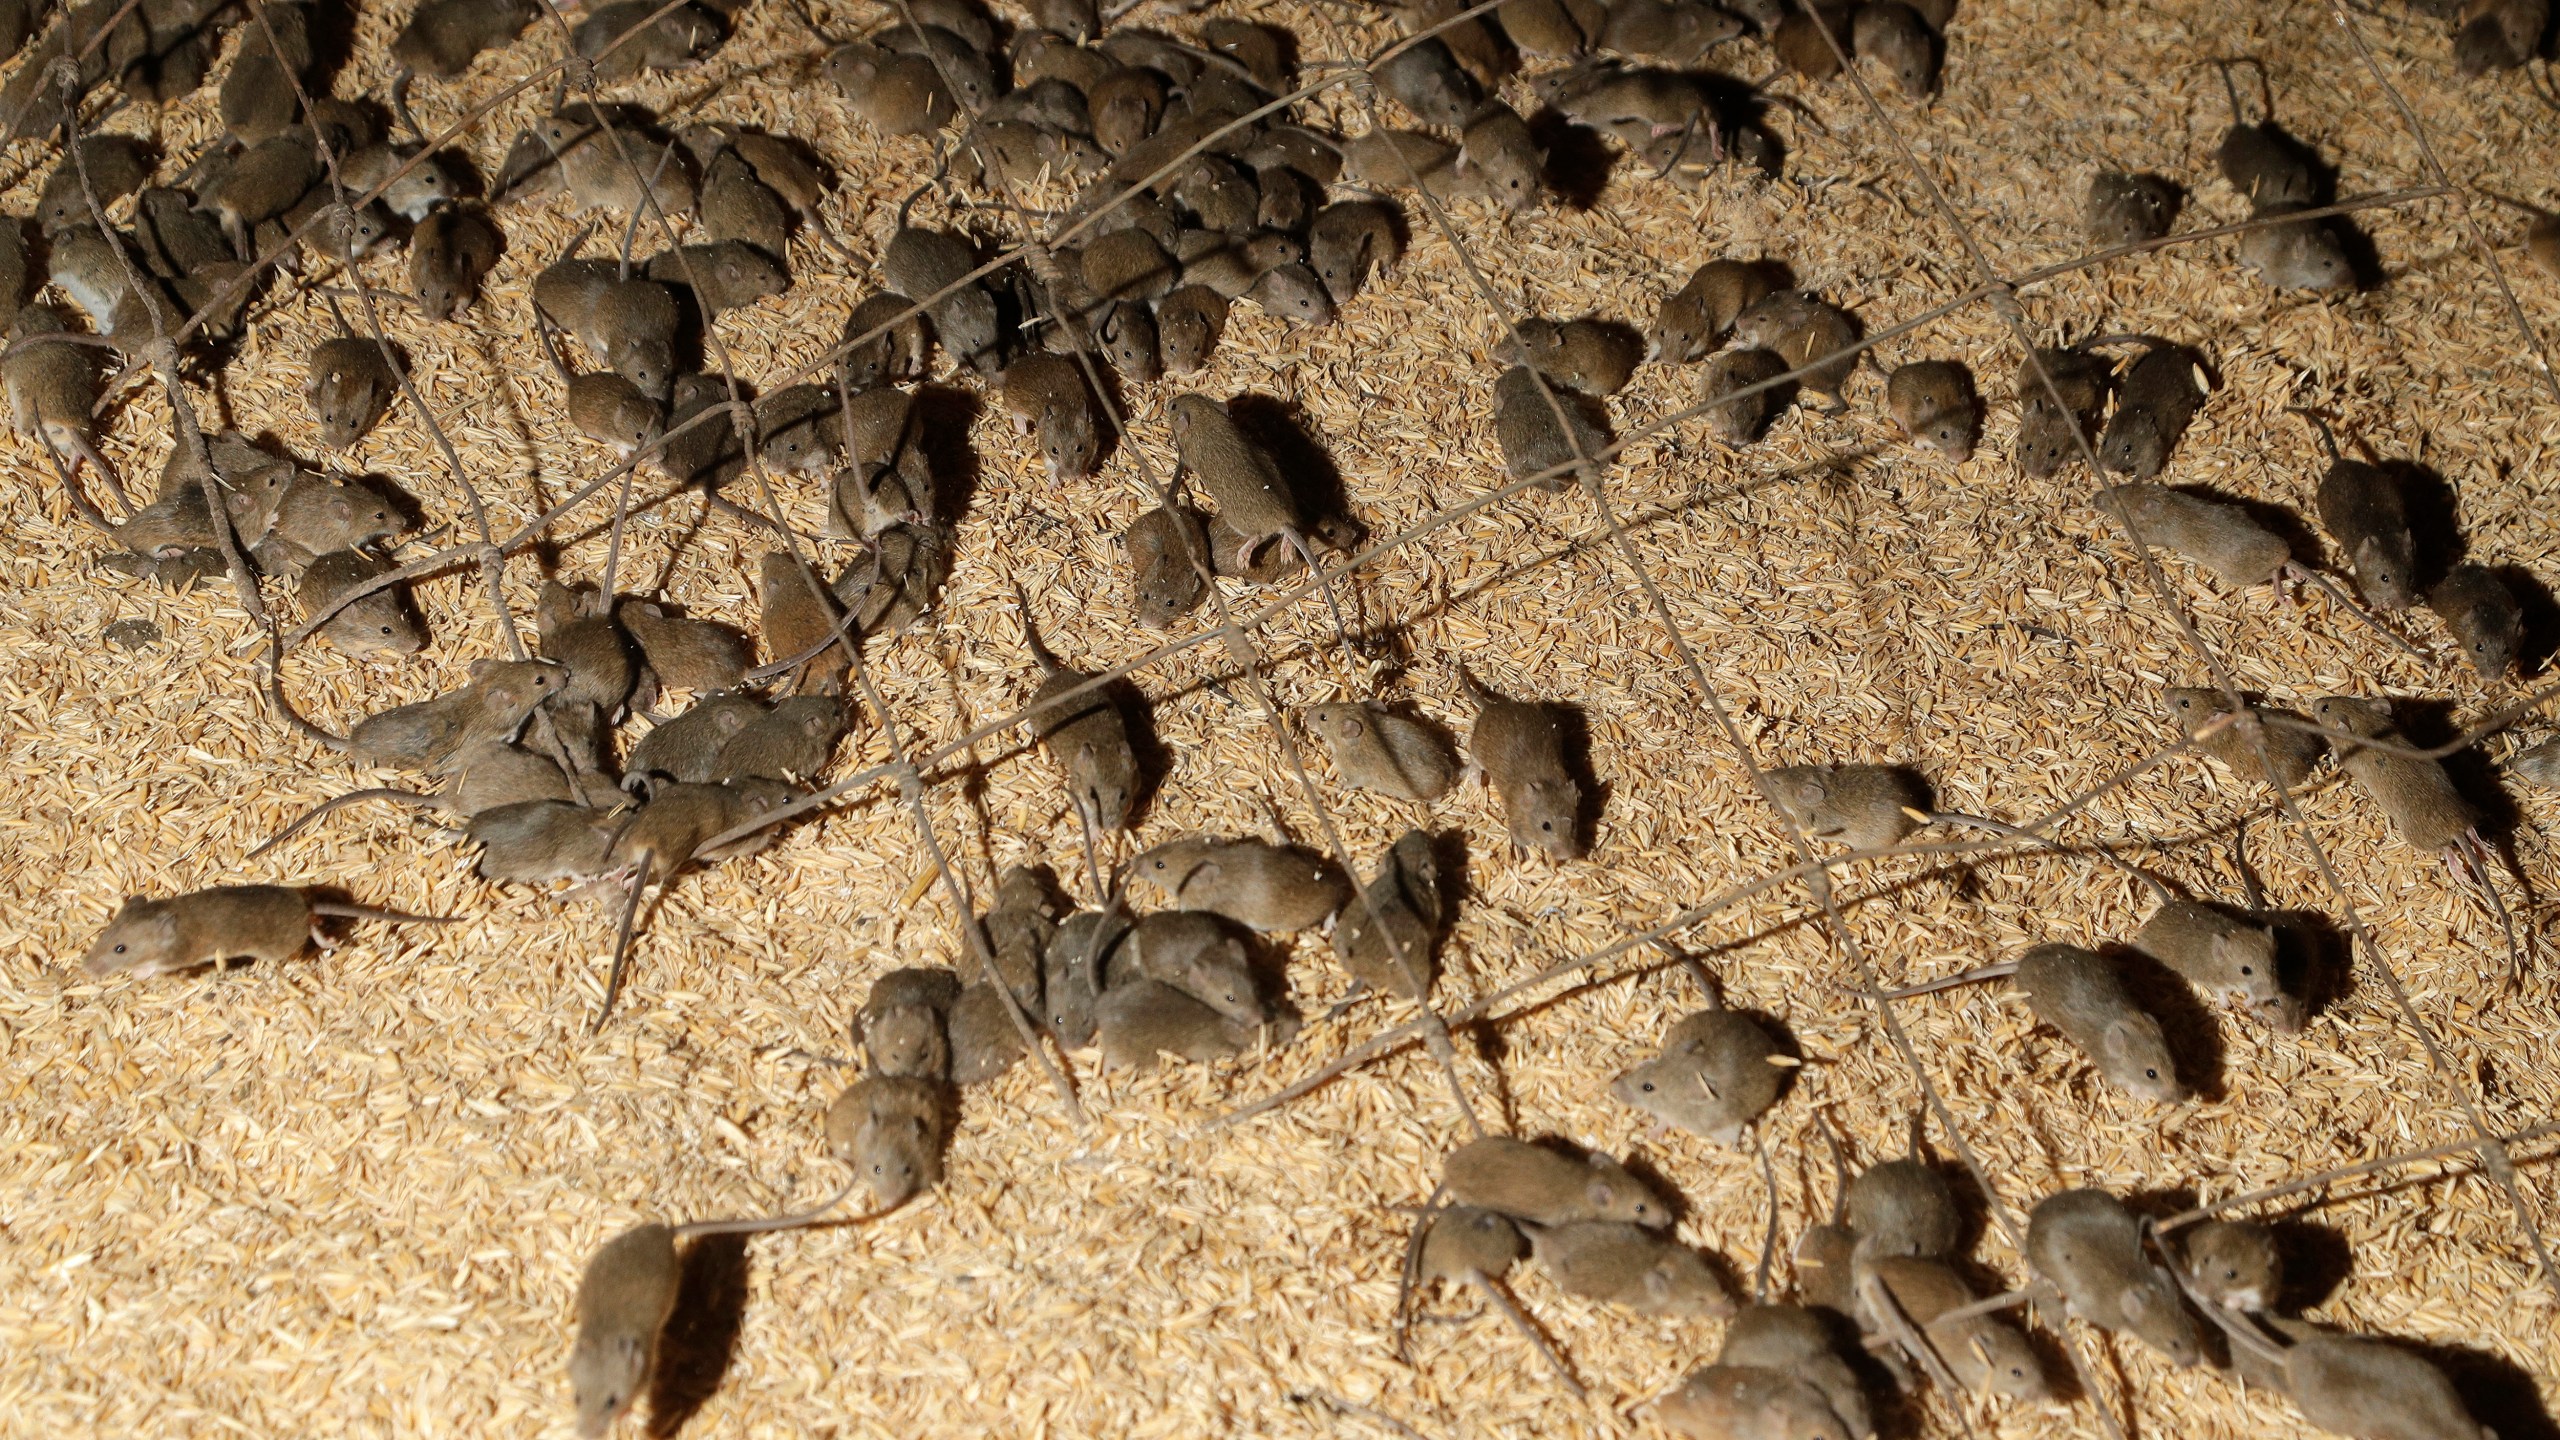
x=1281 y=428
x=2427 y=501
x=2499 y=1393
x=946 y=415
x=701 y=1338
x=2193 y=1031
x=2541 y=617
x=1579 y=161
x=1138 y=717
x=1574 y=724
x=2315 y=960
x=2363 y=256
x=2431 y=721
x=2313 y=1263
x=2282 y=521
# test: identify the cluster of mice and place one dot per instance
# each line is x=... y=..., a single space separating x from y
x=523 y=755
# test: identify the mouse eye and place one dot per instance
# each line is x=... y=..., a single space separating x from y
x=119 y=949
x=1648 y=1087
x=2248 y=969
x=2150 y=1073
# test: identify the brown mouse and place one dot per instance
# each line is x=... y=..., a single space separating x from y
x=1865 y=807
x=895 y=93
x=2363 y=509
x=261 y=183
x=2234 y=1263
x=1533 y=440
x=443 y=37
x=1894 y=35
x=450 y=252
x=2080 y=993
x=1794 y=1341
x=1520 y=747
x=792 y=741
x=1087 y=736
x=116 y=166
x=1426 y=79
x=541 y=841
x=2088 y=1245
x=891 y=1129
x=1543 y=1186
x=588 y=644
x=2417 y=796
x=1802 y=329
x=428 y=734
x=1141 y=1022
x=2125 y=209
x=626 y=1296
x=1743 y=419
x=2296 y=254
x=1239 y=476
x=1294 y=292
x=894 y=584
x=1934 y=403
x=627 y=322
x=2296 y=752
x=1047 y=394
x=685 y=654
x=921 y=264
x=1979 y=1350
x=1592 y=356
x=674 y=828
x=1717 y=1071
x=1387 y=933
x=1196 y=953
x=801 y=615
x=1019 y=927
x=2262 y=162
x=53 y=389
x=2220 y=955
x=896 y=355
x=2154 y=403
x=1272 y=888
x=687 y=747
x=1189 y=322
x=2353 y=1386
x=1165 y=579
x=1630 y=1265
x=2219 y=537
x=984 y=1042
x=2483 y=617
x=721 y=276
x=1376 y=748
x=272 y=923
x=351 y=387
x=2052 y=435
x=1347 y=241
x=737 y=205
x=383 y=623
x=1465 y=1245
x=1749 y=1402
x=315 y=516
x=1071 y=971
x=1696 y=318
x=901 y=1022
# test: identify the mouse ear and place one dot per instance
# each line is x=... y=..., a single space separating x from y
x=1657 y=1284
x=480 y=668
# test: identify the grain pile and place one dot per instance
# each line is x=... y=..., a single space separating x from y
x=352 y=1193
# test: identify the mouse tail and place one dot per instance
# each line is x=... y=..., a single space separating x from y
x=759 y=1224
x=1432 y=1209
x=316 y=813
x=1040 y=654
x=275 y=694
x=1769 y=1233
x=371 y=912
x=622 y=942
x=2319 y=422
x=1519 y=1320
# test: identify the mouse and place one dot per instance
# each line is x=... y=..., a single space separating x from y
x=736 y=204
x=1534 y=442
x=1378 y=749
x=721 y=276
x=1802 y=329
x=1745 y=418
x=2417 y=796
x=920 y=264
x=1546 y=1187
x=442 y=37
x=1126 y=334
x=2155 y=401
x=1386 y=934
x=1902 y=1208
x=685 y=654
x=1678 y=34
x=1127 y=265
x=894 y=356
x=1071 y=973
x=542 y=841
x=2262 y=162
x=1793 y=1341
x=1749 y=1402
x=687 y=747
x=1865 y=807
x=1141 y=1022
x=1239 y=476
x=1047 y=394
x=1350 y=240
x=383 y=623
x=613 y=412
x=2364 y=511
x=2296 y=752
x=1194 y=952
x=53 y=391
x=2052 y=435
x=588 y=644
x=2353 y=1386
x=1981 y=1351
x=1125 y=107
x=1825 y=1262
x=2234 y=1263
x=2296 y=254
x=1426 y=79
x=674 y=828
x=2080 y=993
x=593 y=168
x=1717 y=1071
x=792 y=741
x=1385 y=161
x=428 y=734
x=2483 y=617
x=1592 y=356
x=627 y=322
x=116 y=166
x=2538 y=764
x=2127 y=209
x=260 y=183
x=1294 y=292
x=1019 y=927
x=350 y=389
x=984 y=1042
x=1519 y=746
x=626 y=1296
x=891 y=1129
x=1189 y=324
x=450 y=253
x=1465 y=1245
x=2221 y=538
x=1552 y=29
x=901 y=1021
x=1695 y=319
x=2221 y=955
x=1165 y=580
x=801 y=616
x=1894 y=35
x=895 y=583
x=2089 y=1246
x=1934 y=403
x=315 y=516
x=1086 y=737
x=270 y=923
x=1274 y=889
x=893 y=92
x=414 y=184
x=1631 y=1266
